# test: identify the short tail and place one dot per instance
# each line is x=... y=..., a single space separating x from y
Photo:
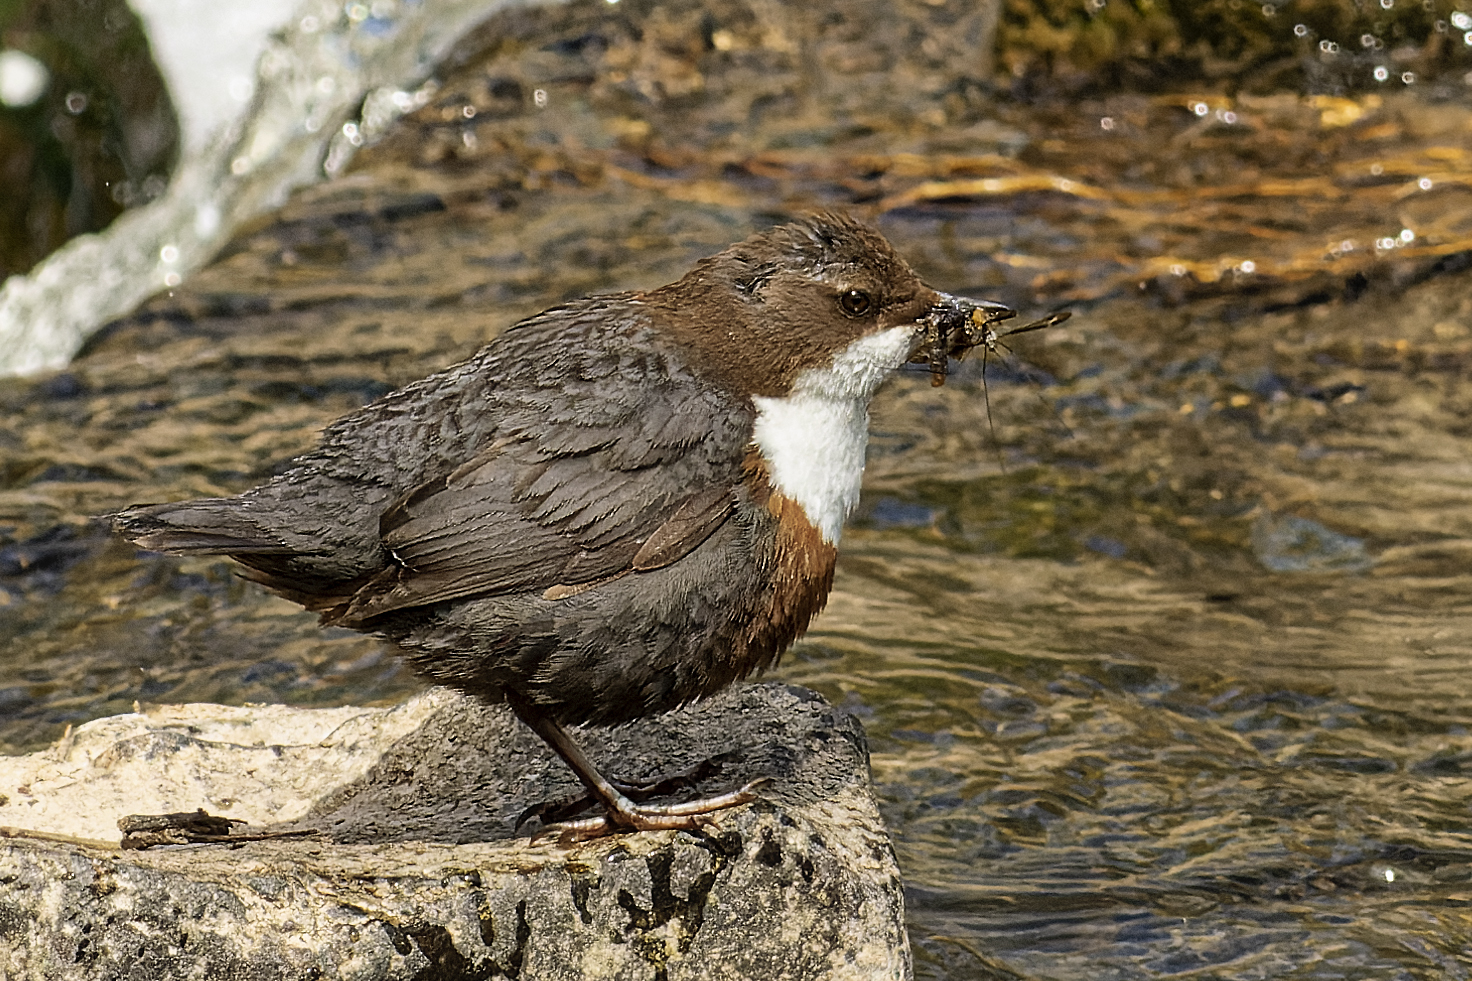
x=212 y=526
x=224 y=526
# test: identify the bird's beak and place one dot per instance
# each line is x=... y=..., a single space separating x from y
x=954 y=326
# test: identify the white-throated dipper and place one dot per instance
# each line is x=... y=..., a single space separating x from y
x=616 y=507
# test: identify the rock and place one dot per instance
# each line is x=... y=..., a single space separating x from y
x=417 y=870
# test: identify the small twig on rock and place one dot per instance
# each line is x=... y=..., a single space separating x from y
x=191 y=828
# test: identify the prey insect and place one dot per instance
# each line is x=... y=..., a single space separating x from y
x=944 y=342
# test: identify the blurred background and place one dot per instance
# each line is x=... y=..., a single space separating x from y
x=1158 y=621
x=86 y=124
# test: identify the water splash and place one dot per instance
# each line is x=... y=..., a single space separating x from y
x=290 y=134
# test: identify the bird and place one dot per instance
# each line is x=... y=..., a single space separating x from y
x=616 y=507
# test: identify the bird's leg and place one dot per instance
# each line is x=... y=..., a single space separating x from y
x=620 y=813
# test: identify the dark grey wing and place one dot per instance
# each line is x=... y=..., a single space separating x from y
x=572 y=448
x=606 y=457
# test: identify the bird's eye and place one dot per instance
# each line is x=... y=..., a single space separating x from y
x=855 y=303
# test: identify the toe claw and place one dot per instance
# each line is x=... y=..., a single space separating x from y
x=692 y=816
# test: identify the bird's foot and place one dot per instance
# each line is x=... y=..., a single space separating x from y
x=620 y=814
x=559 y=810
x=623 y=815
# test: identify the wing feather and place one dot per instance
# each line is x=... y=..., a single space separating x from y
x=614 y=459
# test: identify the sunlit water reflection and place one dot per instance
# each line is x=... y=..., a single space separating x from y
x=1162 y=656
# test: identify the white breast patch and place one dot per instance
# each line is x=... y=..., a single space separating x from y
x=814 y=439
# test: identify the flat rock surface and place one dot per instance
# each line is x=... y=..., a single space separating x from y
x=417 y=869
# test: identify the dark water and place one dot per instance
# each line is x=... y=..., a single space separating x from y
x=1163 y=655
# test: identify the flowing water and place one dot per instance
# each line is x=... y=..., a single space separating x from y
x=1160 y=636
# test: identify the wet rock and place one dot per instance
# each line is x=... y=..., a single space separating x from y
x=1291 y=544
x=417 y=870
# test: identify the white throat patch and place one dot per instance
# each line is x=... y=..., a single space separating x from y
x=814 y=439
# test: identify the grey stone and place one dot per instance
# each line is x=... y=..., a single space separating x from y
x=418 y=871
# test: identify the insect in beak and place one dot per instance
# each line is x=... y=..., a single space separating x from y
x=950 y=336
